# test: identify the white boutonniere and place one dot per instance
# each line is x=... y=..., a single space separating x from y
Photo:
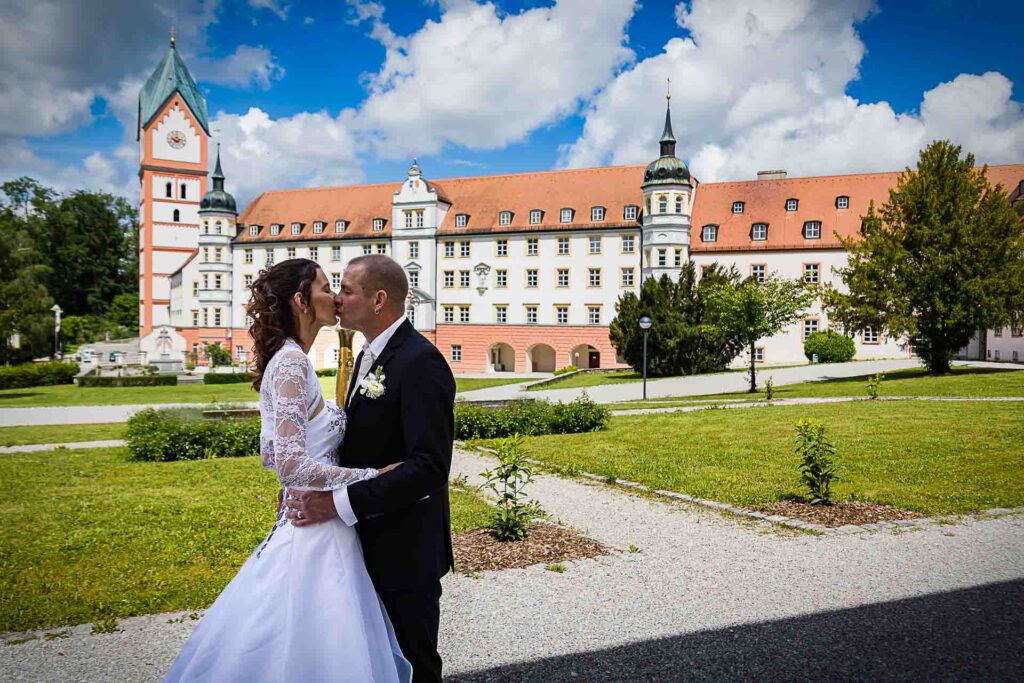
x=373 y=386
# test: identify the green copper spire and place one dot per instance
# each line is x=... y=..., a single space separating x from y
x=170 y=76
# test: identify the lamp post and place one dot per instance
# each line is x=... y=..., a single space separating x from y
x=56 y=330
x=645 y=325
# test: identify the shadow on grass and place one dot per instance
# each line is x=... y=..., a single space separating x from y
x=972 y=634
x=17 y=394
x=913 y=373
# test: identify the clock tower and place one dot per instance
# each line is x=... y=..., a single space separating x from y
x=172 y=134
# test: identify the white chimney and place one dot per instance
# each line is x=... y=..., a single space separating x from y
x=772 y=175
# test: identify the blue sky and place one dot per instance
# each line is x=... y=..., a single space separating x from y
x=310 y=93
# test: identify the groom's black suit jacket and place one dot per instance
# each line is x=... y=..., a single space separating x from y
x=406 y=541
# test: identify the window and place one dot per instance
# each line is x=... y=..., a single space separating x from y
x=335 y=281
x=419 y=219
x=536 y=215
x=504 y=218
x=464 y=249
x=449 y=249
x=247 y=255
x=791 y=204
x=597 y=213
x=865 y=228
x=628 y=244
x=531 y=277
x=562 y=315
x=449 y=314
x=219 y=227
x=461 y=220
x=270 y=257
x=810 y=326
x=176 y=217
x=195 y=318
x=463 y=314
x=449 y=278
x=463 y=278
x=314 y=253
x=997 y=354
x=296 y=228
x=594 y=244
x=563 y=246
x=378 y=224
x=1016 y=329
x=414 y=278
x=168 y=190
x=594 y=315
x=663 y=204
x=183 y=191
x=812 y=230
x=414 y=249
x=501 y=248
x=593 y=277
x=206 y=281
x=218 y=281
x=662 y=258
x=709 y=233
x=206 y=317
x=291 y=252
x=678 y=260
x=759 y=232
x=679 y=203
x=532 y=246
x=531 y=315
x=562 y=279
x=339 y=226
x=206 y=255
x=998 y=332
x=737 y=207
x=758 y=354
x=626 y=277
x=367 y=249
x=842 y=202
x=501 y=314
x=869 y=335
x=812 y=273
x=408 y=218
x=501 y=278
x=382 y=248
x=254 y=230
x=318 y=227
x=275 y=229
x=629 y=212
x=335 y=252
x=247 y=279
x=216 y=316
x=456 y=353
x=217 y=251
x=758 y=271
x=566 y=215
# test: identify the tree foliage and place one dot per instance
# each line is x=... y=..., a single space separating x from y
x=942 y=259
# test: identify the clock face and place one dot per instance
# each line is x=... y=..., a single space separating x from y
x=176 y=139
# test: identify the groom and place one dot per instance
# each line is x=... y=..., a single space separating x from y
x=402 y=516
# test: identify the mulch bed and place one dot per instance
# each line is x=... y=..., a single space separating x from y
x=838 y=514
x=479 y=550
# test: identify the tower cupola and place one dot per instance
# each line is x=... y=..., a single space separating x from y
x=217 y=199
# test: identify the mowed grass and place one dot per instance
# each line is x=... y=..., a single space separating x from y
x=593 y=379
x=934 y=458
x=86 y=534
x=19 y=436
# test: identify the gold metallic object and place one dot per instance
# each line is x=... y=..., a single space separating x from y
x=346 y=360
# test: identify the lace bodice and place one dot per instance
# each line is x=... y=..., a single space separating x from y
x=289 y=394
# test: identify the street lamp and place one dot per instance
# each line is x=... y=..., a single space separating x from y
x=56 y=330
x=645 y=325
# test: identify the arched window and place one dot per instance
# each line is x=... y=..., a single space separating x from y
x=168 y=190
x=679 y=203
x=183 y=190
x=662 y=204
x=177 y=216
x=218 y=227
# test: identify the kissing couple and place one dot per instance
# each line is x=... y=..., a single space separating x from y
x=347 y=585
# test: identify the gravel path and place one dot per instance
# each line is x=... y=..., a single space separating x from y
x=706 y=597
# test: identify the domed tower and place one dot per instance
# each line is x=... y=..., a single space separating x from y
x=668 y=193
x=217 y=216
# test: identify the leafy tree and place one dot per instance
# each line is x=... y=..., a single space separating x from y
x=26 y=323
x=754 y=310
x=216 y=354
x=943 y=258
x=124 y=311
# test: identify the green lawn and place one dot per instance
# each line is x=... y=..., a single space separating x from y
x=94 y=535
x=472 y=384
x=930 y=457
x=18 y=436
x=593 y=379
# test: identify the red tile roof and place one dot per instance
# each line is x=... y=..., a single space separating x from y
x=358 y=205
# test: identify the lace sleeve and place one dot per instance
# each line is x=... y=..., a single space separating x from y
x=289 y=396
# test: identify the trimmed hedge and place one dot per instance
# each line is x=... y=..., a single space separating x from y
x=166 y=435
x=830 y=346
x=128 y=381
x=37 y=374
x=227 y=377
x=327 y=372
x=562 y=371
x=529 y=418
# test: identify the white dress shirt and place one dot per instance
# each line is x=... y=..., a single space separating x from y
x=375 y=347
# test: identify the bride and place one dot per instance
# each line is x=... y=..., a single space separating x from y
x=302 y=607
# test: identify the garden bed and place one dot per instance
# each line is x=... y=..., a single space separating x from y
x=479 y=549
x=842 y=513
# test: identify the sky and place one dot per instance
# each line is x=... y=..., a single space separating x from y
x=313 y=92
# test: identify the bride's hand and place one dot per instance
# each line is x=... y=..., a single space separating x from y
x=385 y=470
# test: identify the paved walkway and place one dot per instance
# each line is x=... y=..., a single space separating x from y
x=707 y=597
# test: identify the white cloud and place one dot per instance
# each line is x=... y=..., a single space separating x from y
x=281 y=10
x=246 y=66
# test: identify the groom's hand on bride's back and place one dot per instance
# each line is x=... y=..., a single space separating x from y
x=311 y=507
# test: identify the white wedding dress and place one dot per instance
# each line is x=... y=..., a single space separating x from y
x=302 y=607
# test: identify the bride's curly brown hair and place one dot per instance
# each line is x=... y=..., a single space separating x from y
x=271 y=311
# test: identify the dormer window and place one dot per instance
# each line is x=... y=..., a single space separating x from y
x=759 y=232
x=378 y=224
x=254 y=230
x=275 y=229
x=865 y=228
x=812 y=230
x=792 y=204
x=461 y=220
x=566 y=215
x=296 y=228
x=737 y=207
x=842 y=202
x=339 y=225
x=709 y=233
x=536 y=216
x=505 y=218
x=318 y=227
x=629 y=212
x=597 y=213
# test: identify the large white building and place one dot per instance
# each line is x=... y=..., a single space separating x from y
x=508 y=273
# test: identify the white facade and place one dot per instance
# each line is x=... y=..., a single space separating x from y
x=174 y=138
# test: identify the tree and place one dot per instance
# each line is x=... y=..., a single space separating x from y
x=124 y=311
x=943 y=258
x=217 y=354
x=754 y=310
x=26 y=323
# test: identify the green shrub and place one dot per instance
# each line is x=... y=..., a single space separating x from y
x=830 y=346
x=327 y=372
x=37 y=374
x=227 y=377
x=567 y=368
x=165 y=435
x=529 y=418
x=816 y=467
x=512 y=513
x=128 y=381
x=875 y=385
